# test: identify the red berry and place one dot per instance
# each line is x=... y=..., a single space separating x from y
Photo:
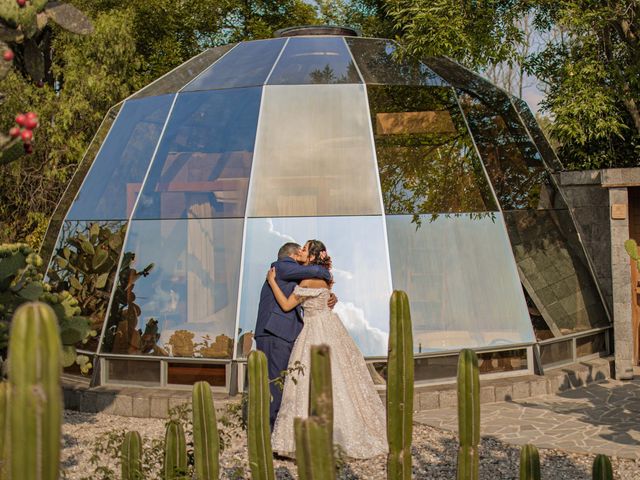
x=39 y=84
x=31 y=123
x=27 y=136
x=8 y=55
x=14 y=132
x=21 y=119
x=21 y=3
x=28 y=148
x=32 y=115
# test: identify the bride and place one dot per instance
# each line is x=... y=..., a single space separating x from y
x=359 y=418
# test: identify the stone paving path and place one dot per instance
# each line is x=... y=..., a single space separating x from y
x=599 y=418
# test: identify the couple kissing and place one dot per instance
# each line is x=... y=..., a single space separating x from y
x=296 y=312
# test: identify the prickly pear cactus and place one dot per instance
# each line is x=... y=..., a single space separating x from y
x=632 y=249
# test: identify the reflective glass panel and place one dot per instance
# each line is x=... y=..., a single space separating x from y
x=536 y=134
x=136 y=372
x=84 y=263
x=190 y=373
x=378 y=63
x=180 y=76
x=112 y=185
x=203 y=162
x=358 y=252
x=426 y=158
x=556 y=353
x=591 y=345
x=247 y=65
x=314 y=154
x=462 y=282
x=314 y=60
x=503 y=361
x=177 y=289
x=55 y=223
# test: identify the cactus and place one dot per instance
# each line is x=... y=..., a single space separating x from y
x=175 y=452
x=35 y=409
x=400 y=388
x=4 y=416
x=314 y=453
x=632 y=249
x=320 y=387
x=602 y=469
x=258 y=431
x=206 y=446
x=468 y=415
x=131 y=456
x=529 y=463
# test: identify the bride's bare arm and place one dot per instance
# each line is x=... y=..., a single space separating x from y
x=286 y=304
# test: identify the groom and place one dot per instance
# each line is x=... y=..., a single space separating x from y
x=276 y=330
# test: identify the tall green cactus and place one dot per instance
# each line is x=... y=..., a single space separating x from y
x=131 y=456
x=529 y=463
x=35 y=410
x=175 y=452
x=4 y=416
x=314 y=453
x=602 y=469
x=258 y=430
x=206 y=443
x=400 y=388
x=320 y=387
x=468 y=415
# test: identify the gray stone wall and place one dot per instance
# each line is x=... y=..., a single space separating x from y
x=589 y=202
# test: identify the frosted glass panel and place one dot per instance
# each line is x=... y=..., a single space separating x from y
x=314 y=153
x=178 y=284
x=112 y=185
x=357 y=249
x=462 y=282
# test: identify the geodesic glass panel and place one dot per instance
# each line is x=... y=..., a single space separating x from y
x=177 y=78
x=316 y=60
x=56 y=221
x=361 y=271
x=378 y=64
x=314 y=141
x=247 y=65
x=84 y=263
x=204 y=160
x=177 y=289
x=426 y=157
x=461 y=280
x=111 y=187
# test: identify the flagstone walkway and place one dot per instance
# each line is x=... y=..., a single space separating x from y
x=599 y=418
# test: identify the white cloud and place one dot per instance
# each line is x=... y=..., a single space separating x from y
x=371 y=340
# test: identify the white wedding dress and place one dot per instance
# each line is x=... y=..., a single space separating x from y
x=359 y=424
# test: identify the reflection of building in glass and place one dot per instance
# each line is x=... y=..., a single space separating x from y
x=418 y=176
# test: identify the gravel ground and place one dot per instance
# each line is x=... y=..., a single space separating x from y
x=434 y=454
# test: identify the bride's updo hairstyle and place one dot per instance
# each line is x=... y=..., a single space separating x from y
x=318 y=251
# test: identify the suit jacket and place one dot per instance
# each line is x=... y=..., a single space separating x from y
x=272 y=320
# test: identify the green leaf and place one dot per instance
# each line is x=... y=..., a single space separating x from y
x=62 y=262
x=87 y=247
x=101 y=282
x=68 y=355
x=74 y=330
x=94 y=230
x=115 y=241
x=66 y=253
x=33 y=60
x=99 y=258
x=32 y=291
x=10 y=265
x=75 y=283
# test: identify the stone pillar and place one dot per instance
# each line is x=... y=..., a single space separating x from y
x=621 y=279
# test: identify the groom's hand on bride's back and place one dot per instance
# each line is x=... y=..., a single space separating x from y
x=332 y=300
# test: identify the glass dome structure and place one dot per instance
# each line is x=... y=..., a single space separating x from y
x=418 y=176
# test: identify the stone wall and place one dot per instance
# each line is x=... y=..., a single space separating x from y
x=589 y=202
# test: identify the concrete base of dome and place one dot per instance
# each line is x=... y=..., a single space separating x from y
x=156 y=402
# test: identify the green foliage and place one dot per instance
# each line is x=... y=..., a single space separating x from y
x=20 y=282
x=258 y=432
x=529 y=463
x=400 y=388
x=131 y=457
x=468 y=415
x=205 y=434
x=602 y=469
x=35 y=397
x=632 y=250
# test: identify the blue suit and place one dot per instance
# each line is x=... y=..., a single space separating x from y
x=277 y=330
